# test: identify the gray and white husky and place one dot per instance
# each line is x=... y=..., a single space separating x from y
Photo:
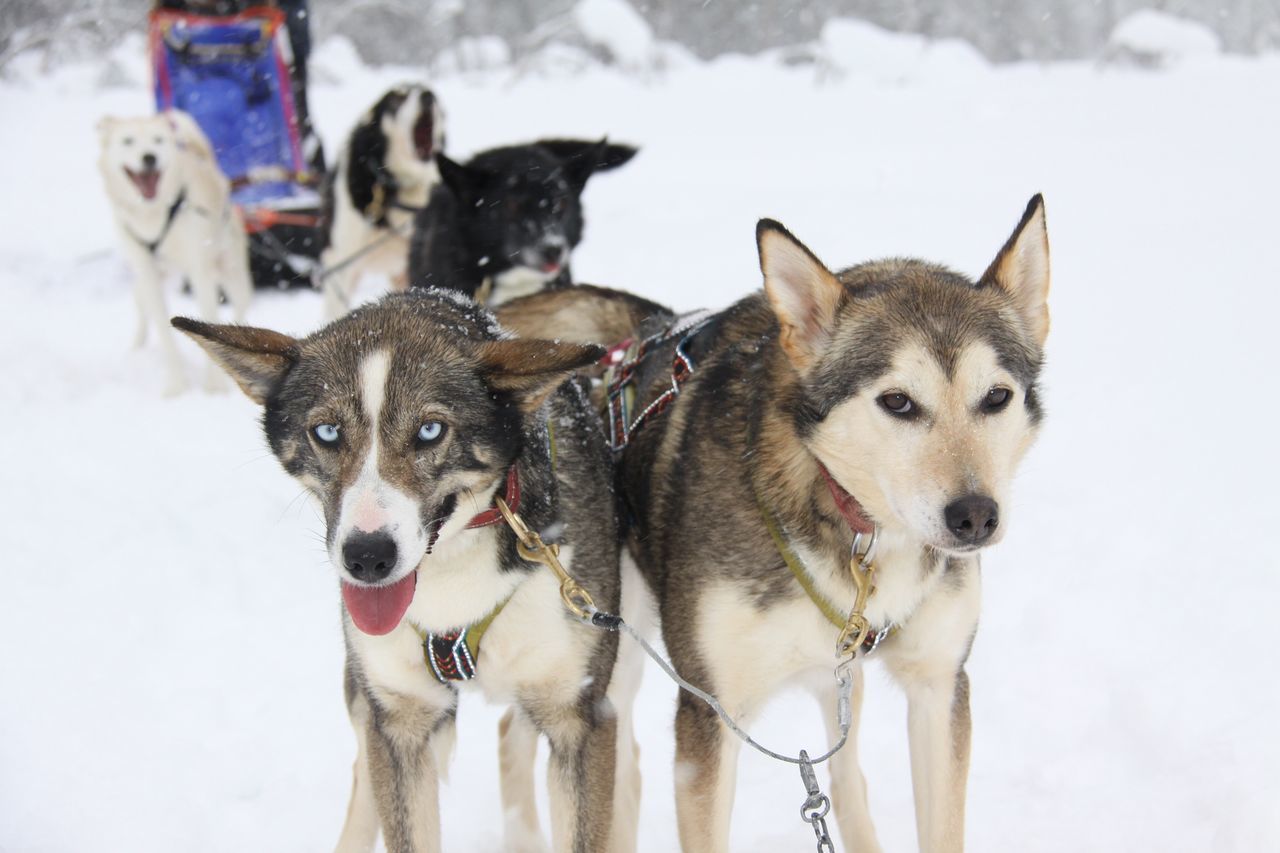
x=405 y=420
x=895 y=396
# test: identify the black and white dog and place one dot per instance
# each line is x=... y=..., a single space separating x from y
x=503 y=225
x=383 y=174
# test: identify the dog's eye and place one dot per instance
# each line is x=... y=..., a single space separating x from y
x=897 y=403
x=430 y=432
x=327 y=434
x=128 y=140
x=158 y=140
x=997 y=398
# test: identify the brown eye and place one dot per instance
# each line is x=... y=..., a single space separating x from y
x=897 y=403
x=996 y=399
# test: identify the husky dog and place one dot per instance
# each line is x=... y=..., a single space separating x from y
x=173 y=213
x=896 y=398
x=503 y=225
x=406 y=420
x=382 y=176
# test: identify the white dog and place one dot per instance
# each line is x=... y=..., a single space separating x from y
x=173 y=209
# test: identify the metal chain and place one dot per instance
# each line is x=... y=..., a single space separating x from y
x=816 y=805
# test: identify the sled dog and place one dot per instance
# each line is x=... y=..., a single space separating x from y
x=408 y=420
x=382 y=176
x=888 y=403
x=504 y=224
x=173 y=215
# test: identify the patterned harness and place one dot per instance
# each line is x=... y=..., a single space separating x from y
x=626 y=358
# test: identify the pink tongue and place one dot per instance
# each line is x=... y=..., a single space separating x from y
x=377 y=610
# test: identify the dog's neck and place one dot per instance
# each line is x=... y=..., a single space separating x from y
x=471 y=571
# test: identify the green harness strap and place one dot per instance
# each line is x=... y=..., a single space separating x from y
x=798 y=571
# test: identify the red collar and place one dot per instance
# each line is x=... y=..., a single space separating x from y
x=854 y=515
x=492 y=515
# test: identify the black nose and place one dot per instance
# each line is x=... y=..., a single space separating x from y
x=551 y=252
x=148 y=161
x=972 y=518
x=369 y=557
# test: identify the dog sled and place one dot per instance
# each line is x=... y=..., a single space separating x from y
x=235 y=74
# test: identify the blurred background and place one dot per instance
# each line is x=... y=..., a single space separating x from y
x=429 y=32
x=170 y=646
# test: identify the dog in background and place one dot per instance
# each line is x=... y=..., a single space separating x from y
x=504 y=224
x=894 y=400
x=406 y=419
x=383 y=175
x=173 y=213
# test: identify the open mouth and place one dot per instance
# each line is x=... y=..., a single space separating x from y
x=377 y=610
x=424 y=138
x=147 y=181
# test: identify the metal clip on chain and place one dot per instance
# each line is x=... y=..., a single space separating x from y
x=863 y=572
x=531 y=547
x=816 y=806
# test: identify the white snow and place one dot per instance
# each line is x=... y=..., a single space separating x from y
x=616 y=26
x=171 y=661
x=1154 y=38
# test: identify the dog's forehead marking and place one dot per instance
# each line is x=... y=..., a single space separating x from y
x=375 y=371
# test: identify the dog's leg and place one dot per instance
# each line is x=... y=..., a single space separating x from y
x=205 y=284
x=400 y=281
x=927 y=657
x=360 y=831
x=237 y=282
x=706 y=776
x=517 y=752
x=402 y=765
x=339 y=289
x=140 y=332
x=848 y=785
x=640 y=611
x=149 y=292
x=581 y=772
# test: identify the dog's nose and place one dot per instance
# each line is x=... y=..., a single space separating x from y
x=369 y=557
x=972 y=519
x=551 y=253
x=148 y=161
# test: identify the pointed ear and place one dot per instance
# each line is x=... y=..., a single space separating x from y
x=803 y=292
x=531 y=368
x=461 y=179
x=257 y=359
x=582 y=159
x=1022 y=270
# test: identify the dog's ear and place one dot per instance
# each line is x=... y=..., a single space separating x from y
x=531 y=368
x=105 y=125
x=257 y=359
x=803 y=292
x=1022 y=270
x=581 y=158
x=189 y=135
x=465 y=181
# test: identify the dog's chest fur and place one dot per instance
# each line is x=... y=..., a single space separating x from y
x=531 y=642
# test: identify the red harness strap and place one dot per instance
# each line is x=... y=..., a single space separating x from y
x=493 y=515
x=854 y=515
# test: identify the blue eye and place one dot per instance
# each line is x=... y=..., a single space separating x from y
x=430 y=431
x=327 y=433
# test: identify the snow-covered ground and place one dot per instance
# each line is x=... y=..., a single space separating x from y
x=169 y=638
